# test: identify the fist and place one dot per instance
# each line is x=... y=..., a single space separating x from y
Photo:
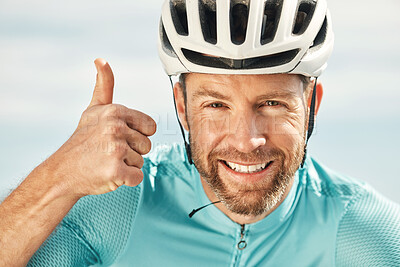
x=107 y=148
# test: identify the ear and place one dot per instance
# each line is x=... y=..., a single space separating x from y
x=318 y=98
x=180 y=105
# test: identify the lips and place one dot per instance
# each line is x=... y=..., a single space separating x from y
x=249 y=168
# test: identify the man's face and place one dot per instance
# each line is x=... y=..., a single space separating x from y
x=247 y=136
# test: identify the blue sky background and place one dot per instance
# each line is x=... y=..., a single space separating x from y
x=47 y=76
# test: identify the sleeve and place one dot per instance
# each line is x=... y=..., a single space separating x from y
x=95 y=231
x=64 y=247
x=369 y=232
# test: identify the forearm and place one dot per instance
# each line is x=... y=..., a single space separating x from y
x=82 y=166
x=30 y=214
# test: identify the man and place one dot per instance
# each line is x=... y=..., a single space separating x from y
x=247 y=99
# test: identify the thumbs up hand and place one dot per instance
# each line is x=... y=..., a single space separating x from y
x=106 y=149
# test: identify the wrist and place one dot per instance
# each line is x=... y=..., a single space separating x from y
x=56 y=180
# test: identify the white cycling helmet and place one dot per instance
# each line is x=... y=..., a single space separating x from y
x=245 y=36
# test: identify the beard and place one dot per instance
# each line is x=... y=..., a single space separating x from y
x=249 y=199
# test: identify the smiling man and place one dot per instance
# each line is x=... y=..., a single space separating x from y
x=247 y=96
x=247 y=135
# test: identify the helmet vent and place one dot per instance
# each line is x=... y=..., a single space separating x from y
x=239 y=15
x=304 y=15
x=321 y=36
x=208 y=21
x=179 y=17
x=248 y=63
x=166 y=45
x=272 y=13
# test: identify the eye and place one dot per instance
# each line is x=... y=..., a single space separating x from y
x=272 y=103
x=216 y=105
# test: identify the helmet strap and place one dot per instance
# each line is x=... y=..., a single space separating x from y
x=311 y=121
x=187 y=145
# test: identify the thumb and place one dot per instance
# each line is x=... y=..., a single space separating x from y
x=103 y=90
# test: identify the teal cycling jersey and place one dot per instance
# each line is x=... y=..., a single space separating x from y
x=327 y=219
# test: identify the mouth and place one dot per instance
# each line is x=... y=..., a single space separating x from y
x=248 y=169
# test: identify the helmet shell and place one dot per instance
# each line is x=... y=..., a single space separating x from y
x=280 y=36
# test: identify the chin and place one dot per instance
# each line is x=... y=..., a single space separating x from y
x=253 y=202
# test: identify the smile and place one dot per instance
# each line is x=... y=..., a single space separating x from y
x=247 y=168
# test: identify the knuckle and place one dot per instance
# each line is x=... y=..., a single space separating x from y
x=113 y=110
x=139 y=175
x=142 y=122
x=110 y=110
x=134 y=178
x=114 y=127
x=115 y=150
x=146 y=146
x=140 y=162
x=120 y=109
x=149 y=126
x=120 y=149
x=142 y=146
x=134 y=160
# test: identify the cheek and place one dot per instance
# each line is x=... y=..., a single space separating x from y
x=285 y=126
x=287 y=139
x=207 y=131
x=285 y=132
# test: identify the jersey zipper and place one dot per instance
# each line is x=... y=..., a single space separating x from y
x=242 y=244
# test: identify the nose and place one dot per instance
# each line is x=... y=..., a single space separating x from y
x=244 y=135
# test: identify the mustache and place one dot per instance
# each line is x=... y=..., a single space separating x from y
x=257 y=155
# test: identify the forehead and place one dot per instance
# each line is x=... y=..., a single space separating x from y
x=244 y=84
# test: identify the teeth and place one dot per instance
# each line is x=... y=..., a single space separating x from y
x=260 y=166
x=246 y=168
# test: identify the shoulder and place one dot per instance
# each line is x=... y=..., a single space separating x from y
x=166 y=159
x=368 y=224
x=369 y=232
x=332 y=190
x=327 y=182
x=167 y=154
x=104 y=222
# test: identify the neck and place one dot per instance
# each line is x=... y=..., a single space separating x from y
x=238 y=218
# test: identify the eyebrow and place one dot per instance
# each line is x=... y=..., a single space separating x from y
x=280 y=94
x=204 y=92
x=207 y=92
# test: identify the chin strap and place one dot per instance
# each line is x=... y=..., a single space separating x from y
x=187 y=145
x=311 y=121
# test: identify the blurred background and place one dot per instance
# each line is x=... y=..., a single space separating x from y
x=47 y=49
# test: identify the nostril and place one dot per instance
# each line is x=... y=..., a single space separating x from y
x=247 y=144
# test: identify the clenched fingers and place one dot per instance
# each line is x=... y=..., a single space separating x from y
x=130 y=176
x=138 y=142
x=140 y=122
x=134 y=159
